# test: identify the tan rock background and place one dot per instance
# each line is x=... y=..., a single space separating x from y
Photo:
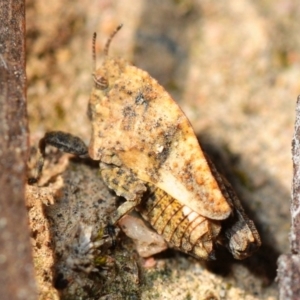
x=233 y=67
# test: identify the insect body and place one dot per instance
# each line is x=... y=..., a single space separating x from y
x=181 y=227
x=141 y=136
x=149 y=155
x=138 y=128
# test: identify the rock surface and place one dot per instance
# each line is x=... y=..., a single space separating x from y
x=232 y=67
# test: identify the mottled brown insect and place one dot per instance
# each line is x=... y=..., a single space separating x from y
x=149 y=155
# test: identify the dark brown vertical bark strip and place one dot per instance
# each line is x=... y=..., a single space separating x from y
x=16 y=266
x=289 y=265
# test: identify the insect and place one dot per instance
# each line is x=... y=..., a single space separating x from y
x=150 y=156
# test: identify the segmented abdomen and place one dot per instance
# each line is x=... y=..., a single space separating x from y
x=181 y=227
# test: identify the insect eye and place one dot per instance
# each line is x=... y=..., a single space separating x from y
x=101 y=82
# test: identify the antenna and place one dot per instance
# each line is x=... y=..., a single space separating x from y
x=94 y=50
x=106 y=48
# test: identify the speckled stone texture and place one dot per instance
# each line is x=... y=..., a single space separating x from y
x=232 y=67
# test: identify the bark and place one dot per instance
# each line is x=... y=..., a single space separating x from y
x=17 y=273
x=289 y=265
